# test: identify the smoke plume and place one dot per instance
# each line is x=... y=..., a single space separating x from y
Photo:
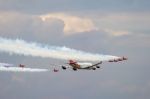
x=22 y=47
x=19 y=69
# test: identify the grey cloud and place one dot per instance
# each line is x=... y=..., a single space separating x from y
x=121 y=24
x=38 y=6
x=17 y=25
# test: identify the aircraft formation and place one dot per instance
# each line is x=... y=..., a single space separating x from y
x=74 y=65
x=76 y=59
x=89 y=66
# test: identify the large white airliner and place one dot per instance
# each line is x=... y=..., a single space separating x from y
x=88 y=66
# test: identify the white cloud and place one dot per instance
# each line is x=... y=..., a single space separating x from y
x=121 y=24
x=73 y=24
x=54 y=24
x=15 y=24
x=11 y=23
x=117 y=33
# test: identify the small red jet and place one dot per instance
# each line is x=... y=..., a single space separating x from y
x=22 y=66
x=119 y=59
x=56 y=70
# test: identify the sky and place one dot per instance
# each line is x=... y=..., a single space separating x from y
x=112 y=27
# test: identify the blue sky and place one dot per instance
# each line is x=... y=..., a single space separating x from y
x=38 y=6
x=116 y=27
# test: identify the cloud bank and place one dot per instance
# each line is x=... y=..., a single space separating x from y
x=73 y=24
x=58 y=25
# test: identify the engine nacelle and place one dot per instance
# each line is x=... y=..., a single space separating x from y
x=74 y=69
x=97 y=66
x=94 y=68
x=63 y=67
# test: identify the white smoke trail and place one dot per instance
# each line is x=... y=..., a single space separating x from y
x=22 y=47
x=19 y=69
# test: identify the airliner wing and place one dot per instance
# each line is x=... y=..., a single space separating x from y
x=93 y=65
x=96 y=64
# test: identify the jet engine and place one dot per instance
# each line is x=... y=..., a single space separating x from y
x=63 y=67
